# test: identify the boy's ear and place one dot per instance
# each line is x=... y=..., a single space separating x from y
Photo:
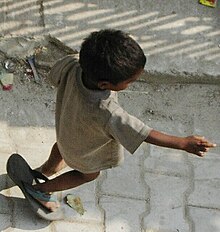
x=104 y=85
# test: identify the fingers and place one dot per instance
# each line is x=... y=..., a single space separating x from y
x=203 y=146
x=205 y=143
x=203 y=149
x=200 y=153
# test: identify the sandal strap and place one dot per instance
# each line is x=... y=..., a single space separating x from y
x=38 y=175
x=39 y=195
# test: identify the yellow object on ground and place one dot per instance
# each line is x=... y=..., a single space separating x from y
x=211 y=3
x=75 y=203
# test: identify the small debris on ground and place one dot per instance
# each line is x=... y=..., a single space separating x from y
x=75 y=203
x=7 y=80
x=30 y=59
x=211 y=3
x=9 y=65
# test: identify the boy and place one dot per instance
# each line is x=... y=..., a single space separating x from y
x=91 y=127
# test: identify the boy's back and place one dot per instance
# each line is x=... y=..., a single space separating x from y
x=90 y=124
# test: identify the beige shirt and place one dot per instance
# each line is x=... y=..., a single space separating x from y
x=91 y=127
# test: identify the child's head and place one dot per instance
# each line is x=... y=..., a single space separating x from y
x=111 y=56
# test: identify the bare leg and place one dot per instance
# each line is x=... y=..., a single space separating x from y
x=54 y=164
x=65 y=181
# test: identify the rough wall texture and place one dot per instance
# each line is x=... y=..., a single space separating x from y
x=180 y=38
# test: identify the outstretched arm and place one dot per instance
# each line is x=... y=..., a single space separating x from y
x=192 y=144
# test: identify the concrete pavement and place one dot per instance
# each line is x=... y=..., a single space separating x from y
x=180 y=38
x=155 y=190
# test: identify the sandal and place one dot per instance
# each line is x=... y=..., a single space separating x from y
x=48 y=200
x=24 y=177
x=38 y=195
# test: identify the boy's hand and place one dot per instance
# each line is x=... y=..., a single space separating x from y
x=197 y=145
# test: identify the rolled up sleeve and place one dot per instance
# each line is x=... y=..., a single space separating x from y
x=129 y=131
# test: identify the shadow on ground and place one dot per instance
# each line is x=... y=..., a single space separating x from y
x=15 y=212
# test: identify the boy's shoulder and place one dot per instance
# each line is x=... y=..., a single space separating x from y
x=62 y=67
x=110 y=106
x=71 y=58
x=110 y=103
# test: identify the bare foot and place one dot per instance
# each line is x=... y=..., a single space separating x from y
x=52 y=206
x=46 y=199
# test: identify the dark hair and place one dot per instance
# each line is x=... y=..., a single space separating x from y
x=110 y=55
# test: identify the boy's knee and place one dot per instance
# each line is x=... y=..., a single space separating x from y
x=91 y=176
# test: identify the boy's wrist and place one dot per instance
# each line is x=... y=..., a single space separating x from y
x=182 y=143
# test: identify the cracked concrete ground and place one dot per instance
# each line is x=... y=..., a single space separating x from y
x=180 y=38
x=155 y=190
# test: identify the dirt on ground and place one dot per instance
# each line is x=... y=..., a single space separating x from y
x=16 y=53
x=20 y=90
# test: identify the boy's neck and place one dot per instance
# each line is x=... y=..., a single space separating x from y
x=89 y=84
